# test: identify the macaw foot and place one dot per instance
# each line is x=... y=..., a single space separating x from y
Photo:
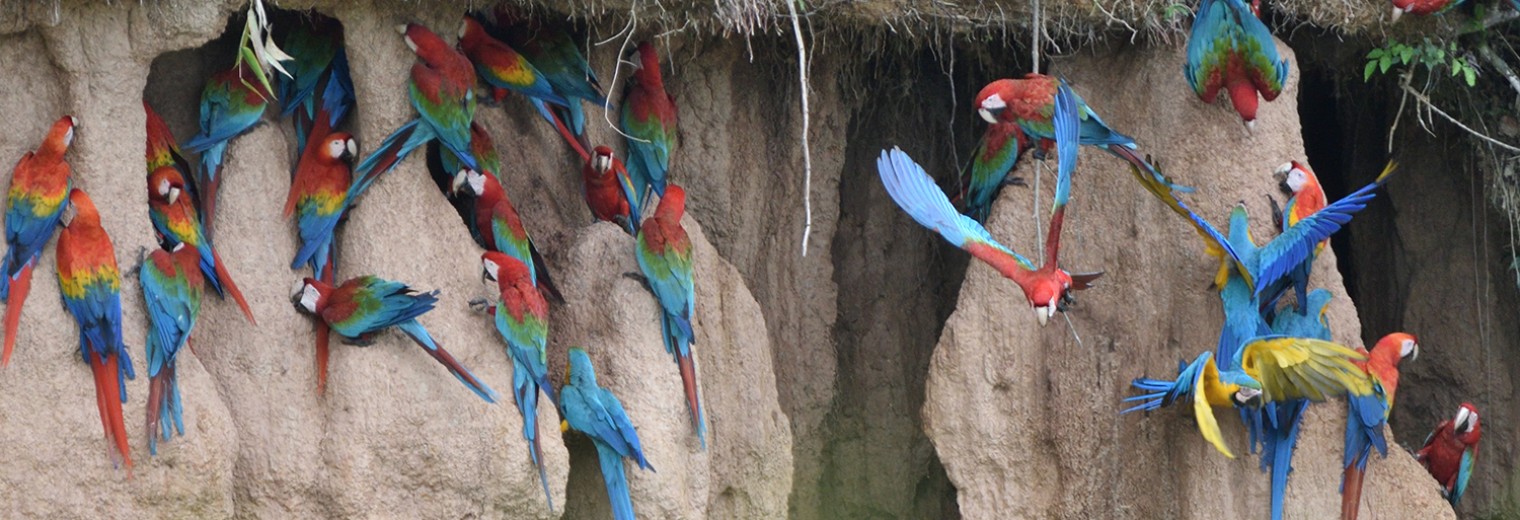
x=1038 y=153
x=482 y=305
x=361 y=341
x=142 y=254
x=639 y=278
x=1014 y=181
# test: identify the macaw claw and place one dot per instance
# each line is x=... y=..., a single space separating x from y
x=480 y=305
x=639 y=278
x=1014 y=181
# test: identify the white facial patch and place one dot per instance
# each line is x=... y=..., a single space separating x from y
x=994 y=102
x=309 y=297
x=477 y=182
x=1297 y=179
x=336 y=147
x=1408 y=347
x=1247 y=394
x=601 y=163
x=163 y=188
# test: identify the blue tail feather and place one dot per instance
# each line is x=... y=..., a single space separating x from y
x=616 y=481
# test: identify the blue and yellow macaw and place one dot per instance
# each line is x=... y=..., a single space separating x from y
x=1229 y=48
x=1277 y=424
x=594 y=411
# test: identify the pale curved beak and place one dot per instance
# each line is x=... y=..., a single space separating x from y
x=459 y=180
x=173 y=195
x=1042 y=314
x=1396 y=14
x=986 y=115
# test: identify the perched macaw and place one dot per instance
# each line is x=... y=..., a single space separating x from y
x=442 y=90
x=231 y=104
x=90 y=284
x=1305 y=198
x=609 y=191
x=594 y=411
x=38 y=194
x=501 y=229
x=500 y=66
x=522 y=319
x=1276 y=425
x=1231 y=49
x=559 y=59
x=1425 y=7
x=1031 y=102
x=665 y=257
x=994 y=158
x=447 y=167
x=172 y=286
x=363 y=306
x=1451 y=451
x=648 y=117
x=171 y=208
x=1047 y=288
x=162 y=149
x=1366 y=415
x=320 y=67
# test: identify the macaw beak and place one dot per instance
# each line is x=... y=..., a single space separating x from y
x=1397 y=12
x=173 y=195
x=1416 y=354
x=1042 y=314
x=1251 y=127
x=459 y=181
x=987 y=115
x=1462 y=420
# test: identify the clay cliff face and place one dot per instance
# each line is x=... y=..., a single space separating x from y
x=865 y=380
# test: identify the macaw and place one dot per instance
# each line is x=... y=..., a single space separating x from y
x=320 y=67
x=609 y=191
x=1047 y=288
x=1276 y=425
x=1306 y=197
x=171 y=208
x=665 y=256
x=501 y=229
x=172 y=287
x=1231 y=49
x=442 y=90
x=162 y=150
x=594 y=411
x=994 y=158
x=231 y=104
x=500 y=66
x=1366 y=415
x=1425 y=7
x=447 y=166
x=364 y=306
x=1031 y=102
x=522 y=319
x=648 y=117
x=90 y=284
x=38 y=194
x=559 y=59
x=1450 y=452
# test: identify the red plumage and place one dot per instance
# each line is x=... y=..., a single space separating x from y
x=600 y=186
x=40 y=174
x=442 y=70
x=1442 y=453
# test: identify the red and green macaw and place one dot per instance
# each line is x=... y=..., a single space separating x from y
x=522 y=319
x=993 y=160
x=38 y=194
x=362 y=307
x=500 y=227
x=1451 y=451
x=447 y=167
x=90 y=284
x=1366 y=415
x=648 y=117
x=664 y=254
x=172 y=287
x=1425 y=7
x=231 y=104
x=552 y=51
x=1031 y=102
x=1047 y=288
x=609 y=190
x=499 y=65
x=1231 y=49
x=1305 y=198
x=594 y=411
x=318 y=76
x=442 y=90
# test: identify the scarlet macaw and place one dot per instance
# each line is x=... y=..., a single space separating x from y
x=500 y=66
x=442 y=90
x=1231 y=49
x=171 y=208
x=90 y=284
x=664 y=254
x=172 y=286
x=609 y=191
x=1366 y=415
x=1424 y=7
x=1305 y=198
x=231 y=104
x=594 y=411
x=994 y=158
x=501 y=229
x=363 y=306
x=1047 y=288
x=38 y=194
x=648 y=117
x=522 y=319
x=1451 y=451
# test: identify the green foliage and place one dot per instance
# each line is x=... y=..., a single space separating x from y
x=1434 y=57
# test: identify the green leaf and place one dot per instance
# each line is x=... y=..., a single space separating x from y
x=1406 y=55
x=249 y=60
x=1384 y=63
x=1439 y=54
x=1367 y=73
x=1470 y=75
x=1375 y=53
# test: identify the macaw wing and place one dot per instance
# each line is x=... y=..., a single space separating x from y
x=1066 y=126
x=630 y=194
x=1207 y=381
x=29 y=218
x=1293 y=247
x=604 y=413
x=223 y=115
x=914 y=191
x=447 y=114
x=530 y=333
x=171 y=308
x=1215 y=243
x=1268 y=71
x=338 y=94
x=670 y=275
x=1464 y=473
x=628 y=436
x=1208 y=49
x=653 y=128
x=1303 y=368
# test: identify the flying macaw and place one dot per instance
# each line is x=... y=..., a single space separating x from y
x=648 y=117
x=501 y=229
x=172 y=286
x=38 y=194
x=500 y=66
x=363 y=306
x=994 y=158
x=559 y=59
x=1231 y=49
x=1451 y=451
x=1047 y=288
x=171 y=208
x=522 y=319
x=1425 y=7
x=1031 y=102
x=609 y=191
x=90 y=284
x=665 y=257
x=320 y=66
x=231 y=104
x=1366 y=415
x=594 y=411
x=442 y=90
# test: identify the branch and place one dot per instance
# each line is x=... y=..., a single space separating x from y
x=1432 y=108
x=807 y=158
x=1499 y=65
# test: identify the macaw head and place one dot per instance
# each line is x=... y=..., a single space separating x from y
x=1294 y=177
x=673 y=204
x=1466 y=426
x=471 y=33
x=1400 y=7
x=59 y=137
x=601 y=160
x=166 y=185
x=470 y=181
x=646 y=65
x=309 y=295
x=578 y=369
x=1247 y=390
x=993 y=99
x=503 y=269
x=422 y=41
x=1405 y=345
x=80 y=211
x=1048 y=295
x=340 y=146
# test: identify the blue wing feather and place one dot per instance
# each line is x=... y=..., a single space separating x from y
x=1292 y=247
x=914 y=191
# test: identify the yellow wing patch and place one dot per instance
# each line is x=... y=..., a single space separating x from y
x=1208 y=383
x=1303 y=368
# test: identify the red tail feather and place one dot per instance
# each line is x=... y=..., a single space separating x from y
x=448 y=361
x=158 y=390
x=689 y=380
x=231 y=287
x=20 y=287
x=1351 y=493
x=108 y=399
x=559 y=124
x=208 y=204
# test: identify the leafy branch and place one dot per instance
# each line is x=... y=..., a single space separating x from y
x=1432 y=56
